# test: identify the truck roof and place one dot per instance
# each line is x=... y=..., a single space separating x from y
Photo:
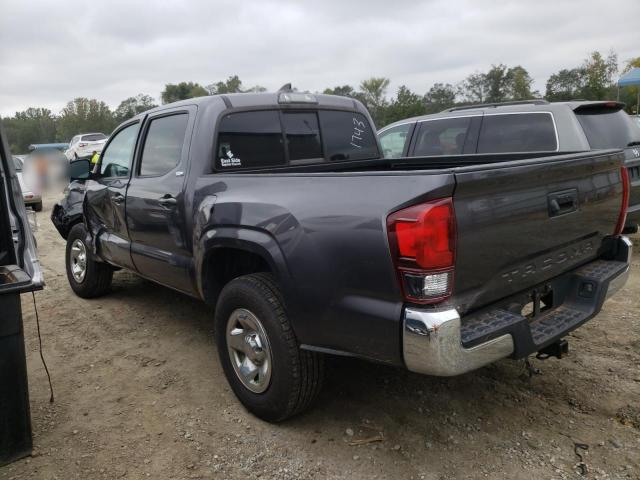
x=263 y=99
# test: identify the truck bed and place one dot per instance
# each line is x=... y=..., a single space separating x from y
x=328 y=225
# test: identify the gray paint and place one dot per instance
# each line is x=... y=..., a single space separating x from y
x=323 y=234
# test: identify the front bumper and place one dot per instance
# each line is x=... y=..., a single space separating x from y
x=439 y=342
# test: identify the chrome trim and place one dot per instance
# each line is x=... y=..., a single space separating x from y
x=432 y=344
x=409 y=122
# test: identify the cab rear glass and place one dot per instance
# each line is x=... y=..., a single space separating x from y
x=272 y=138
x=607 y=128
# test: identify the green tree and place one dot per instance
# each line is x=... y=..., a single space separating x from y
x=439 y=97
x=132 y=106
x=406 y=104
x=496 y=84
x=341 y=90
x=83 y=115
x=232 y=84
x=33 y=125
x=599 y=75
x=181 y=91
x=519 y=84
x=565 y=85
x=473 y=89
x=373 y=94
x=499 y=84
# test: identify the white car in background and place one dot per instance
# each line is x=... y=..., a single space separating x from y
x=29 y=195
x=85 y=144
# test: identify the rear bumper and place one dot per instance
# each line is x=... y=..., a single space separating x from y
x=439 y=342
x=30 y=198
x=633 y=219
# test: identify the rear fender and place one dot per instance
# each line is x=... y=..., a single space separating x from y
x=249 y=240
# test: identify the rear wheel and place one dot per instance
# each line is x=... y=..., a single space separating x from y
x=37 y=206
x=259 y=352
x=87 y=277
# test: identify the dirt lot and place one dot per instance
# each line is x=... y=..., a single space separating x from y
x=140 y=393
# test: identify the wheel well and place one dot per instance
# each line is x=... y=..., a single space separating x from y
x=70 y=225
x=224 y=264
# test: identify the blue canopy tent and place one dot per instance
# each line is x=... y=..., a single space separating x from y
x=631 y=79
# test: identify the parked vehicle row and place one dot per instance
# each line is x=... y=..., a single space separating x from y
x=280 y=210
x=524 y=127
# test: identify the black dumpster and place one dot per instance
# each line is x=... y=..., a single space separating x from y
x=15 y=423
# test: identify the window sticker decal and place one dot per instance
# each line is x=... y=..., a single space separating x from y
x=226 y=157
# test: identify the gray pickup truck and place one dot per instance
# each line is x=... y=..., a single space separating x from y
x=280 y=210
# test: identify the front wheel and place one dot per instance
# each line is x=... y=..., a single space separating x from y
x=87 y=277
x=259 y=352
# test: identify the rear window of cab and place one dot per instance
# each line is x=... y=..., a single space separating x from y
x=272 y=138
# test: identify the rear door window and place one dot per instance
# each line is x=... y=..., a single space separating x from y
x=518 y=132
x=303 y=135
x=607 y=128
x=394 y=140
x=94 y=137
x=163 y=144
x=347 y=136
x=250 y=140
x=442 y=137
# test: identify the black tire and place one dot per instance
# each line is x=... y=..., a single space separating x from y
x=296 y=375
x=97 y=278
x=37 y=207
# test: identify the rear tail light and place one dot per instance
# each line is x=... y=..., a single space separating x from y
x=83 y=144
x=622 y=218
x=423 y=242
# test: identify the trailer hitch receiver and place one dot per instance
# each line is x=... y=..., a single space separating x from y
x=557 y=349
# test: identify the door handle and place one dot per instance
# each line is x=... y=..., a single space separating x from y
x=167 y=200
x=118 y=199
x=563 y=202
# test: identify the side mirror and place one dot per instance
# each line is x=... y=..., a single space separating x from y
x=80 y=169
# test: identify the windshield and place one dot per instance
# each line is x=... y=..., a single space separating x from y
x=94 y=137
x=17 y=164
x=606 y=128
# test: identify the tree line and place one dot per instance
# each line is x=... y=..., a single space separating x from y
x=593 y=79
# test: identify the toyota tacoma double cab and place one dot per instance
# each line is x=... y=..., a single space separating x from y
x=279 y=210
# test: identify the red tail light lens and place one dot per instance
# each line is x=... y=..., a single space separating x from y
x=622 y=218
x=422 y=240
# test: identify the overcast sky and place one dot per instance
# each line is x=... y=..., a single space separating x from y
x=53 y=51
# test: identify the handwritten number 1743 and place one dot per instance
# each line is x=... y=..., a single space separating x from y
x=358 y=129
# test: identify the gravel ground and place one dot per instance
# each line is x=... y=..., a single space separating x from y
x=140 y=394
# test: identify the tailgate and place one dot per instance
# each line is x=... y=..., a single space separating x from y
x=522 y=223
